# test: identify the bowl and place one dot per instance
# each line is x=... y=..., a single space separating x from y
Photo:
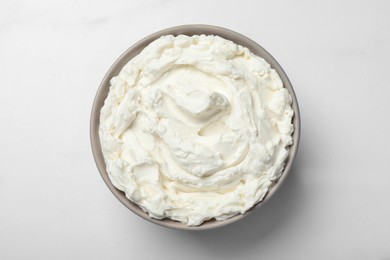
x=136 y=49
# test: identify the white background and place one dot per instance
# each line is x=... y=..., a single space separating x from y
x=53 y=202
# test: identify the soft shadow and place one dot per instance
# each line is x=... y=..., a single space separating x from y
x=240 y=236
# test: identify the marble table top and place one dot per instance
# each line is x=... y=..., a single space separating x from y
x=53 y=202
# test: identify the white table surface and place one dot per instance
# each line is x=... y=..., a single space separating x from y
x=53 y=202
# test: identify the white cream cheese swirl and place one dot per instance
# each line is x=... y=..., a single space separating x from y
x=195 y=128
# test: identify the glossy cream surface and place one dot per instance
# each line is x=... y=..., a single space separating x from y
x=195 y=128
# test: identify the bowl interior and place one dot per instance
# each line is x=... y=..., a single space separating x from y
x=137 y=48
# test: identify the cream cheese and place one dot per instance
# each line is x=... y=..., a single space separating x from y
x=195 y=128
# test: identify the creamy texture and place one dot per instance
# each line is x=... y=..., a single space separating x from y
x=196 y=128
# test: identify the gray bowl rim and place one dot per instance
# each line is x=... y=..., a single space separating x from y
x=190 y=29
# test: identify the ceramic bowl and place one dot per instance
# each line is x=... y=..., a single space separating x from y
x=136 y=49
